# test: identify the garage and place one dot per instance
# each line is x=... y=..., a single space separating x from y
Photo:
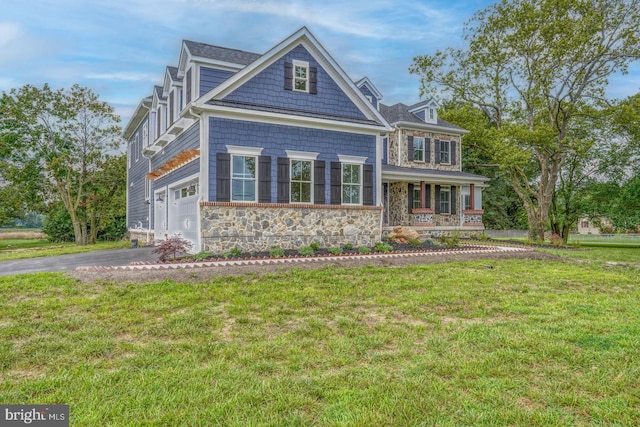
x=184 y=211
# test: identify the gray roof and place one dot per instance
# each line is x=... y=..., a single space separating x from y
x=158 y=91
x=221 y=53
x=433 y=172
x=400 y=113
x=173 y=72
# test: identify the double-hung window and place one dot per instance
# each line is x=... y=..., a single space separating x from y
x=243 y=178
x=445 y=152
x=445 y=200
x=418 y=149
x=417 y=197
x=300 y=76
x=301 y=181
x=351 y=184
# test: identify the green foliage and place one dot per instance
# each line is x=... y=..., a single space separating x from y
x=202 y=256
x=364 y=250
x=276 y=252
x=335 y=251
x=415 y=243
x=57 y=225
x=452 y=241
x=315 y=246
x=348 y=246
x=306 y=251
x=382 y=247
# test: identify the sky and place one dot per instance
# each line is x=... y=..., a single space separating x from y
x=120 y=49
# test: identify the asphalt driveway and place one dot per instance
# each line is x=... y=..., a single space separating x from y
x=70 y=262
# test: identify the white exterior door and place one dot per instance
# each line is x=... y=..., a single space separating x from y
x=184 y=214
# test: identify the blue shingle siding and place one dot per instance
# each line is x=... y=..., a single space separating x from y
x=211 y=77
x=367 y=92
x=420 y=114
x=267 y=88
x=187 y=140
x=275 y=139
x=137 y=208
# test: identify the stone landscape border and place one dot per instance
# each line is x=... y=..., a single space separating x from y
x=148 y=266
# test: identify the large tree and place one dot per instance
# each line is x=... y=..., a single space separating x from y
x=532 y=66
x=61 y=138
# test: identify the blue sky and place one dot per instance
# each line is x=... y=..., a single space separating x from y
x=120 y=48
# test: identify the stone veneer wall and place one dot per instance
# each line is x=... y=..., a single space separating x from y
x=144 y=237
x=257 y=227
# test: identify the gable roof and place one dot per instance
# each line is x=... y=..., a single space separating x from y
x=218 y=53
x=301 y=37
x=399 y=114
x=372 y=88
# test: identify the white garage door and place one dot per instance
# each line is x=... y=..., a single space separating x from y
x=183 y=213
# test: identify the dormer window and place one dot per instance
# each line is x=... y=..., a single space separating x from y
x=431 y=113
x=300 y=76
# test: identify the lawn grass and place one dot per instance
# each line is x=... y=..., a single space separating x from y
x=13 y=249
x=512 y=342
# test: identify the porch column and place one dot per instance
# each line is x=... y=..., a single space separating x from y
x=472 y=197
x=423 y=195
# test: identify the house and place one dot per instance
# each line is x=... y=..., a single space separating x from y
x=238 y=149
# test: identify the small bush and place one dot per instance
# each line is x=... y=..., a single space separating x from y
x=382 y=247
x=276 y=252
x=364 y=250
x=335 y=251
x=452 y=241
x=348 y=246
x=415 y=243
x=57 y=226
x=306 y=251
x=202 y=256
x=171 y=247
x=315 y=246
x=556 y=240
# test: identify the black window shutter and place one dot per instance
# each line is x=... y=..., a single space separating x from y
x=367 y=185
x=264 y=179
x=437 y=150
x=410 y=148
x=223 y=177
x=453 y=152
x=283 y=180
x=336 y=183
x=410 y=198
x=288 y=76
x=318 y=182
x=427 y=190
x=313 y=80
x=427 y=150
x=453 y=200
x=437 y=199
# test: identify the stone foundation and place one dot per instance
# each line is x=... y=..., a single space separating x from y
x=258 y=227
x=144 y=237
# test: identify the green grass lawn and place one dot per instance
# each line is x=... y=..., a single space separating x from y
x=11 y=249
x=512 y=342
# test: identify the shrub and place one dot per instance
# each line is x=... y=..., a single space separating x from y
x=415 y=243
x=315 y=246
x=364 y=250
x=556 y=240
x=202 y=256
x=306 y=251
x=451 y=241
x=348 y=246
x=171 y=247
x=382 y=247
x=335 y=251
x=276 y=252
x=57 y=226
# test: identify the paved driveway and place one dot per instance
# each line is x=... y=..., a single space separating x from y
x=111 y=257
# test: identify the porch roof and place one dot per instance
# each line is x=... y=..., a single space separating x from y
x=392 y=173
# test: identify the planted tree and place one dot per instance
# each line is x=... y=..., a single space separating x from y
x=62 y=138
x=532 y=66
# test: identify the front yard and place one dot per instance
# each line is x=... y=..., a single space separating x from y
x=499 y=342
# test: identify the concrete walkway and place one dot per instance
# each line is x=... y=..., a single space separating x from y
x=107 y=258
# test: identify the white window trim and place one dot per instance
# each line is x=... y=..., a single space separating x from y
x=352 y=159
x=304 y=64
x=291 y=160
x=448 y=152
x=360 y=184
x=255 y=178
x=301 y=155
x=417 y=189
x=446 y=189
x=423 y=149
x=239 y=150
